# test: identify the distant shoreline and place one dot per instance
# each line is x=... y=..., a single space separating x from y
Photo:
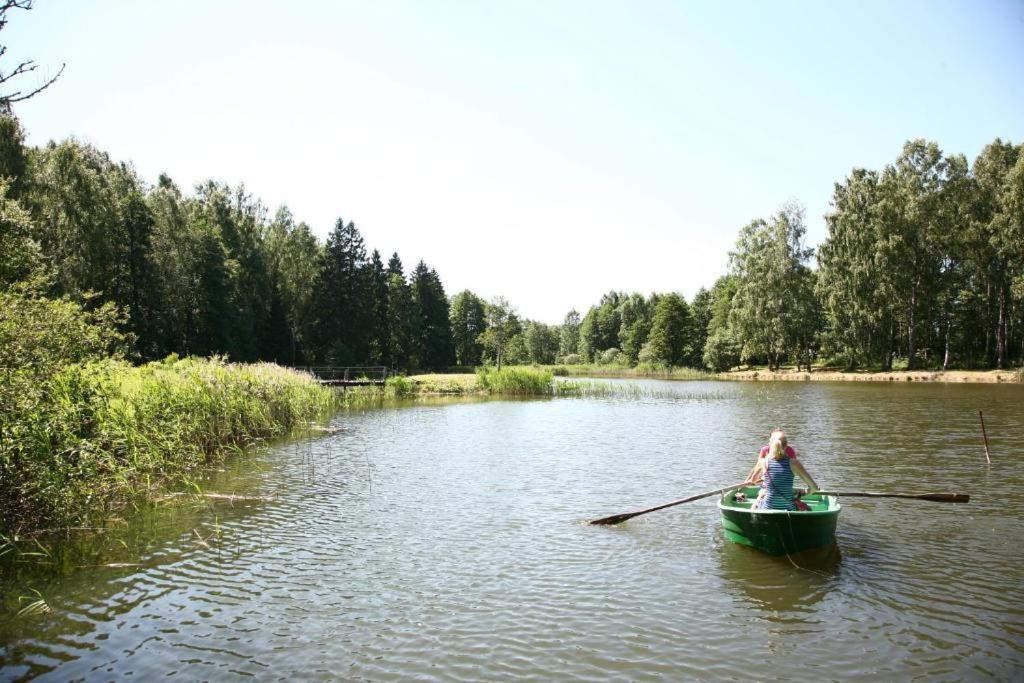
x=1015 y=376
x=947 y=376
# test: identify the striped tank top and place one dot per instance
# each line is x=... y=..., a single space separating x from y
x=778 y=485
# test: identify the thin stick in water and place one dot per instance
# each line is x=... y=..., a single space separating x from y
x=984 y=436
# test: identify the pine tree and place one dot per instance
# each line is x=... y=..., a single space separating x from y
x=380 y=336
x=403 y=319
x=434 y=343
x=344 y=309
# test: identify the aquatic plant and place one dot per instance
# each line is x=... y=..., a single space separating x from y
x=515 y=381
x=399 y=386
x=446 y=384
x=648 y=369
x=97 y=434
x=36 y=604
x=605 y=389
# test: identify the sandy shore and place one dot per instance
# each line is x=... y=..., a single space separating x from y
x=954 y=376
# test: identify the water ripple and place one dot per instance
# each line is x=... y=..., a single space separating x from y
x=447 y=543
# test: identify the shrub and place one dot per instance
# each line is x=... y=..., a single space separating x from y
x=721 y=351
x=571 y=359
x=650 y=368
x=399 y=386
x=81 y=431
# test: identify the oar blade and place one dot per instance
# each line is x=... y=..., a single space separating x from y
x=614 y=519
x=947 y=497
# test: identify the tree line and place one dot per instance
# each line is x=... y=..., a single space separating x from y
x=212 y=272
x=923 y=265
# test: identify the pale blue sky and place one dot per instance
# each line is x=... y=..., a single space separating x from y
x=544 y=151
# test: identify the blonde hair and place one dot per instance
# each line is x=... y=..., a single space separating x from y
x=777 y=445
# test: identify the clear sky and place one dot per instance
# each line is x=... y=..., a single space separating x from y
x=544 y=151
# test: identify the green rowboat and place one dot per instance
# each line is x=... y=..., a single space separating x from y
x=779 y=532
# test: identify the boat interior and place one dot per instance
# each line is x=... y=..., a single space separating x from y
x=748 y=494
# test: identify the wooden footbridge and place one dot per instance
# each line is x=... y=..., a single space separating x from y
x=349 y=376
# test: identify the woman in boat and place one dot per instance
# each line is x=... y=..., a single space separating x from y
x=777 y=468
x=754 y=475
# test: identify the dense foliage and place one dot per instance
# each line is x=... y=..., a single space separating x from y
x=922 y=266
x=210 y=273
x=81 y=430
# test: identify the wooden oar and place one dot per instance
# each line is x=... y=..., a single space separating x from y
x=935 y=497
x=616 y=519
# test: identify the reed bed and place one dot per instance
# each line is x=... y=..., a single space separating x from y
x=643 y=370
x=628 y=390
x=97 y=434
x=399 y=387
x=515 y=381
x=509 y=381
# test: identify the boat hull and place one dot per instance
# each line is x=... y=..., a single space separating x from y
x=779 y=532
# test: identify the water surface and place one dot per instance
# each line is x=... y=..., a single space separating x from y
x=448 y=542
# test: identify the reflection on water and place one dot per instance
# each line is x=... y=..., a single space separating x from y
x=784 y=587
x=445 y=541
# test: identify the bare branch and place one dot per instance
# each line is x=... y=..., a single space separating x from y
x=22 y=68
x=38 y=90
x=9 y=5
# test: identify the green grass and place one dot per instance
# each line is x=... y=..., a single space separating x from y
x=645 y=370
x=512 y=381
x=604 y=389
x=598 y=389
x=509 y=381
x=515 y=381
x=399 y=387
x=98 y=434
x=446 y=384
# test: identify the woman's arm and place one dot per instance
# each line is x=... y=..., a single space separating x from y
x=757 y=473
x=802 y=472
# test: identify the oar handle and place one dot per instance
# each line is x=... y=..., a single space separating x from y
x=934 y=497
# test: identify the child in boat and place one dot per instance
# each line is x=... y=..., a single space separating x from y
x=777 y=467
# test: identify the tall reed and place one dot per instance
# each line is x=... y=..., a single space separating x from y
x=515 y=381
x=102 y=432
x=651 y=370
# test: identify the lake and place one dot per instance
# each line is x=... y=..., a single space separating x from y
x=448 y=541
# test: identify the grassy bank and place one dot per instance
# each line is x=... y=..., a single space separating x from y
x=515 y=381
x=88 y=438
x=483 y=382
x=641 y=371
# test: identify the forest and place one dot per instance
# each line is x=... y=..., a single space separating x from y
x=922 y=267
